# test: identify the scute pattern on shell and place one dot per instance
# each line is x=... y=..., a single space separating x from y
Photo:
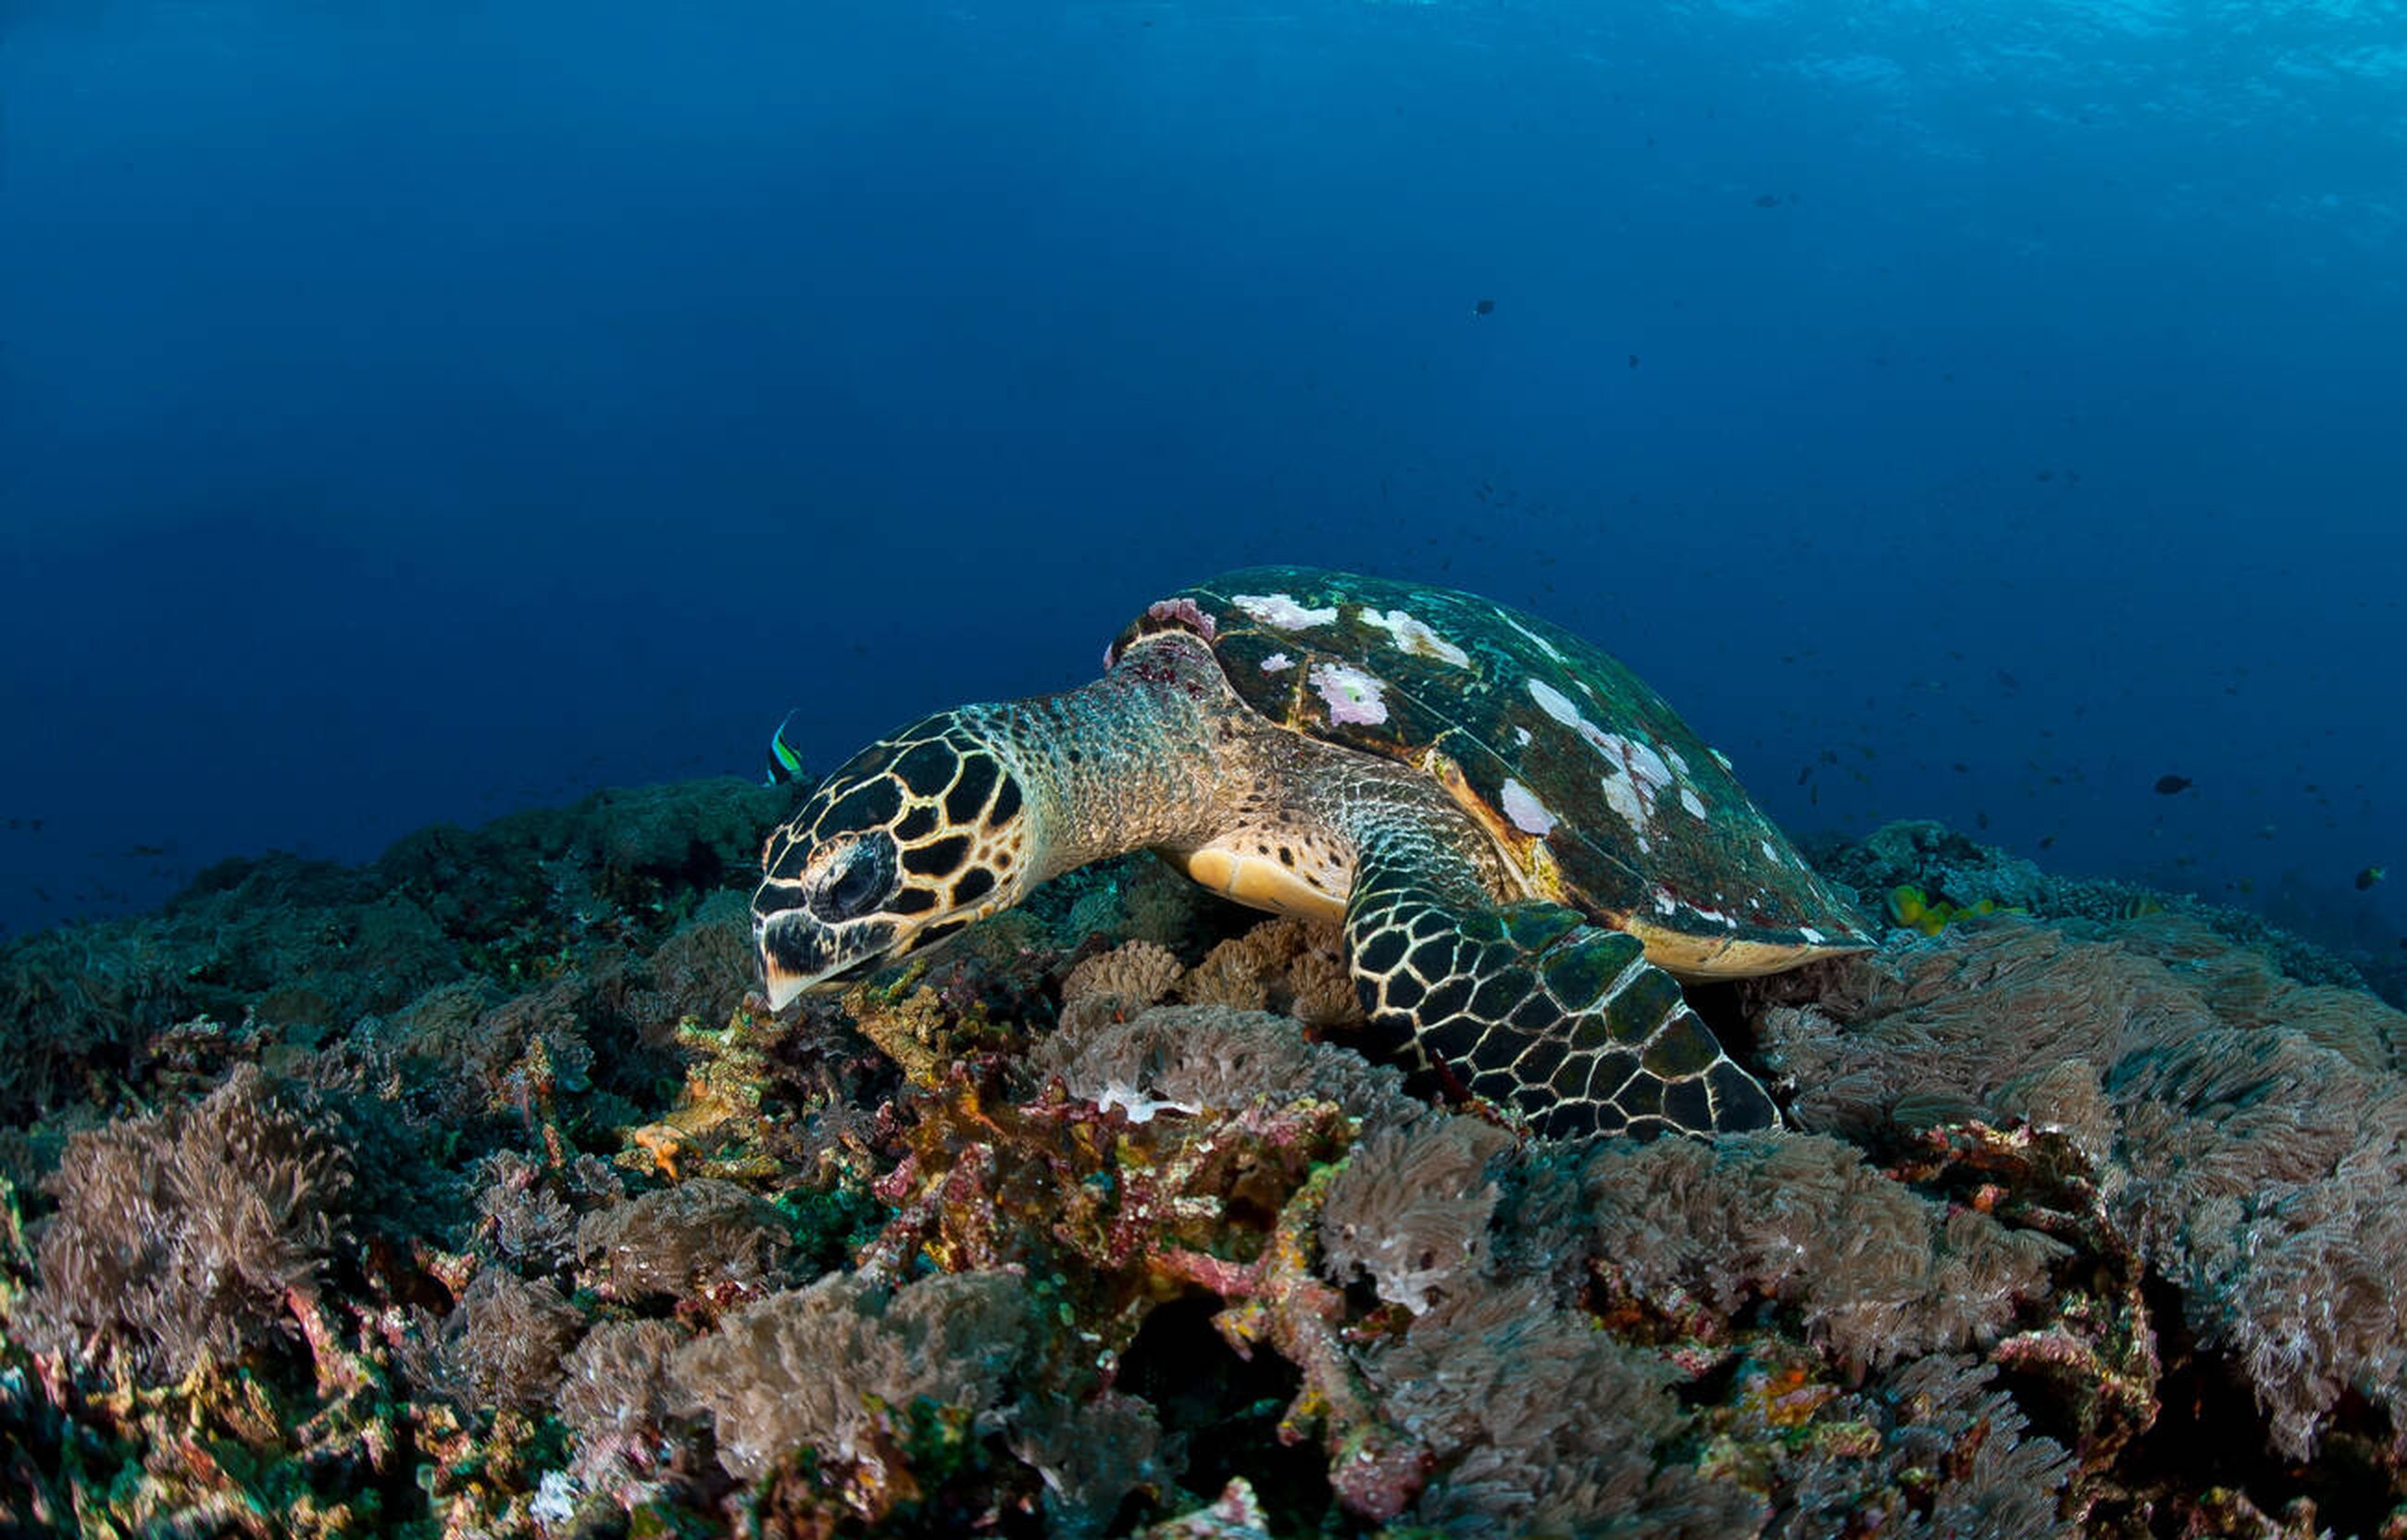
x=1647 y=823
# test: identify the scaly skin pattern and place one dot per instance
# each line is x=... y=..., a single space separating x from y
x=1529 y=1004
x=964 y=813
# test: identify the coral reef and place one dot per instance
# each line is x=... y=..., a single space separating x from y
x=473 y=1192
x=179 y=1238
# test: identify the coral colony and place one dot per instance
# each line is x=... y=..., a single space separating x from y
x=477 y=1193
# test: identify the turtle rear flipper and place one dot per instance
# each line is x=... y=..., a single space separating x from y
x=1532 y=1007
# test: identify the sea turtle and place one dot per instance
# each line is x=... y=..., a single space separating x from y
x=1525 y=847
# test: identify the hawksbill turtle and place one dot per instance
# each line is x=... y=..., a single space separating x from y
x=1526 y=849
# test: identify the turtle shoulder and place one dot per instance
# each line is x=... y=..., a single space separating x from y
x=1596 y=791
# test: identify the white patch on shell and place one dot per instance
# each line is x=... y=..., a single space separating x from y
x=1636 y=772
x=1679 y=766
x=1282 y=611
x=1528 y=814
x=1691 y=801
x=1536 y=640
x=1621 y=796
x=1554 y=703
x=1277 y=663
x=1521 y=737
x=1665 y=903
x=1352 y=695
x=1813 y=936
x=1769 y=853
x=1413 y=635
x=1719 y=758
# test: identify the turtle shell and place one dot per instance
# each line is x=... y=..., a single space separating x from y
x=1597 y=793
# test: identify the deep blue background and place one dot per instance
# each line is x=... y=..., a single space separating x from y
x=419 y=411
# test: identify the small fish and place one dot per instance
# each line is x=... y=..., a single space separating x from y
x=1483 y=308
x=2173 y=785
x=2369 y=876
x=785 y=765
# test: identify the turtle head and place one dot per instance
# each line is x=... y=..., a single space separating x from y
x=914 y=838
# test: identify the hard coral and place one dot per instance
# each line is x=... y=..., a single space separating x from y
x=1285 y=964
x=1118 y=983
x=181 y=1238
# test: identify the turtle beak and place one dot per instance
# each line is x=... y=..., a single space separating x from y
x=797 y=953
x=781 y=985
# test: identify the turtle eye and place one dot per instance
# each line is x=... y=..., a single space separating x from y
x=862 y=875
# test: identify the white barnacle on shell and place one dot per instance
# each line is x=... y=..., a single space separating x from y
x=1277 y=663
x=1282 y=611
x=1691 y=801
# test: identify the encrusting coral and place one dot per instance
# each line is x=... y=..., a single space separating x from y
x=508 y=1211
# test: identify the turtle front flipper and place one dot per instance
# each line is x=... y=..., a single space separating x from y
x=1532 y=1007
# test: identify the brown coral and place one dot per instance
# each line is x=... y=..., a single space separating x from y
x=1118 y=983
x=1875 y=1272
x=826 y=1365
x=1285 y=964
x=183 y=1237
x=1538 y=1423
x=703 y=1237
x=1188 y=1058
x=1410 y=1210
x=2263 y=1167
x=618 y=1401
x=502 y=1344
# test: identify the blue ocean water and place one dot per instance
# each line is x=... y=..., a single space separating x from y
x=1979 y=411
